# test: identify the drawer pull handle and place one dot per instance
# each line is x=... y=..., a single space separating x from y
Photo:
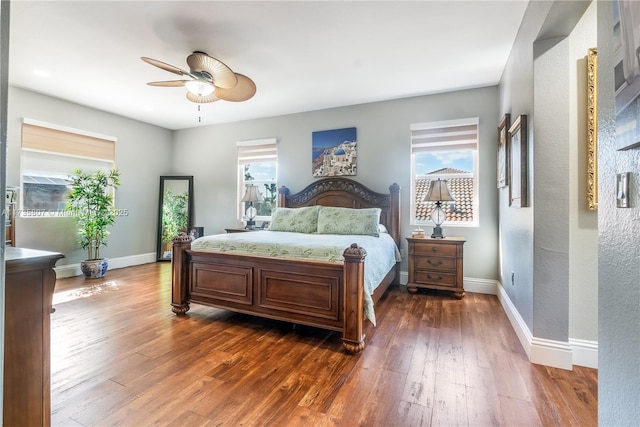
x=431 y=277
x=438 y=263
x=434 y=249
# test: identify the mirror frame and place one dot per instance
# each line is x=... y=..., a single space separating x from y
x=163 y=179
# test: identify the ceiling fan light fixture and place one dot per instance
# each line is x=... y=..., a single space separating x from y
x=199 y=87
x=208 y=80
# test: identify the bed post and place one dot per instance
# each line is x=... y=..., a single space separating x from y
x=394 y=213
x=179 y=271
x=283 y=192
x=394 y=223
x=353 y=284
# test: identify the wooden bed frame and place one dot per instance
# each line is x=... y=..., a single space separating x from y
x=320 y=294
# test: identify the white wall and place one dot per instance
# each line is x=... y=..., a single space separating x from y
x=142 y=154
x=383 y=158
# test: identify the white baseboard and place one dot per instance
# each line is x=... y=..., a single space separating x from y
x=585 y=353
x=71 y=270
x=557 y=354
x=404 y=277
x=480 y=286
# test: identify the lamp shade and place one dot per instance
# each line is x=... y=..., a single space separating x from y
x=438 y=192
x=252 y=194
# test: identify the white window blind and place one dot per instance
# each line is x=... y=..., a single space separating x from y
x=259 y=151
x=451 y=135
x=56 y=141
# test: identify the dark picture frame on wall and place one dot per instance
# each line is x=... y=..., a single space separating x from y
x=518 y=163
x=503 y=151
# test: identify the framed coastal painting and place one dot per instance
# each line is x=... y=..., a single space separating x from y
x=503 y=152
x=518 y=163
x=334 y=152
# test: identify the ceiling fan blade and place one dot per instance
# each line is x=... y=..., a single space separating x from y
x=169 y=83
x=222 y=75
x=201 y=99
x=244 y=90
x=165 y=66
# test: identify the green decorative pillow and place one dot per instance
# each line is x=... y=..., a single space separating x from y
x=297 y=220
x=333 y=220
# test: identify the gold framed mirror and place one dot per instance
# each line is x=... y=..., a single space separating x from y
x=592 y=129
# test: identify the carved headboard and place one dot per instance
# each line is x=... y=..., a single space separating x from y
x=347 y=193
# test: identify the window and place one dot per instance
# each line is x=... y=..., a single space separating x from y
x=50 y=154
x=446 y=150
x=258 y=165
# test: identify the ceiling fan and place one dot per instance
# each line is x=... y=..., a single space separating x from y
x=209 y=79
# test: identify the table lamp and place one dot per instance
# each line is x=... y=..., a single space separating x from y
x=438 y=192
x=251 y=194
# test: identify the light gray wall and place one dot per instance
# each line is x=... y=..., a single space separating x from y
x=383 y=158
x=143 y=153
x=551 y=189
x=583 y=223
x=535 y=241
x=619 y=254
x=516 y=225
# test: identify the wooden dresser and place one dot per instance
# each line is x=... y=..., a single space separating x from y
x=10 y=225
x=29 y=283
x=436 y=264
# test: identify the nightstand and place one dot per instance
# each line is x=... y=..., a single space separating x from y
x=436 y=264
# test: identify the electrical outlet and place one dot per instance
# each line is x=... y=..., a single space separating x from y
x=513 y=279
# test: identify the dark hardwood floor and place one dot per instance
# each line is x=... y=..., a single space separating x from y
x=121 y=357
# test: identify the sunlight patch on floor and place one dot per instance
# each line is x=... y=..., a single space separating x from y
x=84 y=292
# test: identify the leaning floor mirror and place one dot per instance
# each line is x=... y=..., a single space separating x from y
x=175 y=211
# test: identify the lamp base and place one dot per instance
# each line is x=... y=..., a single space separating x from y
x=437 y=233
x=250 y=224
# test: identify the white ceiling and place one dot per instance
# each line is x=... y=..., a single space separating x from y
x=302 y=55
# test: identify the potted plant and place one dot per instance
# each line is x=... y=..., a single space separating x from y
x=90 y=203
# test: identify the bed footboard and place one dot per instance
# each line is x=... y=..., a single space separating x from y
x=333 y=297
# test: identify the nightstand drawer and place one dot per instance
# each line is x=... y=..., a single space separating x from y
x=435 y=278
x=435 y=263
x=426 y=248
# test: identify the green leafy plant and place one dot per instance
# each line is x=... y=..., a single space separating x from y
x=174 y=215
x=90 y=203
